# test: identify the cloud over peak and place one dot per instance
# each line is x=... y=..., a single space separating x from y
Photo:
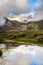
x=21 y=6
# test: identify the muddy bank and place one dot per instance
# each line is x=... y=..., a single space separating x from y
x=15 y=44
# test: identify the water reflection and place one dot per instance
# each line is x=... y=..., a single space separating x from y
x=23 y=55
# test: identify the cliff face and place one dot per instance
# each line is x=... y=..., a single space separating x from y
x=11 y=25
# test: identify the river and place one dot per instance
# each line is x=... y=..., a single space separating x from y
x=22 y=55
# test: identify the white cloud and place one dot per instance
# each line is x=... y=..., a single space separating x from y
x=38 y=8
x=21 y=6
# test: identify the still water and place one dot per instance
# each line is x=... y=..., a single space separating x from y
x=23 y=55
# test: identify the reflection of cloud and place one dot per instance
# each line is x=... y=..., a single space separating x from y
x=23 y=55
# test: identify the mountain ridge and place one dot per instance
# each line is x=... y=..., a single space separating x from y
x=16 y=25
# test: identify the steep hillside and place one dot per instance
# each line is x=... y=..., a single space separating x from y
x=11 y=25
x=35 y=24
x=16 y=25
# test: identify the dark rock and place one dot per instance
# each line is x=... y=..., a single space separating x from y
x=1 y=53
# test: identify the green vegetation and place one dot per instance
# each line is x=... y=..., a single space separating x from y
x=23 y=37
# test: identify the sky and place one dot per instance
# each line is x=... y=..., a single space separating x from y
x=9 y=7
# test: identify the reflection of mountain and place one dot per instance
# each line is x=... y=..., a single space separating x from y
x=16 y=25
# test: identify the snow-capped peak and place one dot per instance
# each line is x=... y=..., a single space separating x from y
x=22 y=17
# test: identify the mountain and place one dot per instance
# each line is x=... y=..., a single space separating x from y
x=36 y=24
x=18 y=25
x=12 y=25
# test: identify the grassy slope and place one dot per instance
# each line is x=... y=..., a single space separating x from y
x=23 y=37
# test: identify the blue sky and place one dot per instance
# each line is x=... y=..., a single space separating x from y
x=31 y=4
x=33 y=1
x=11 y=12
